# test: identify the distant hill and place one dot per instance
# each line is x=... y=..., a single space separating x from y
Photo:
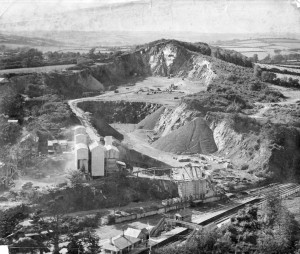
x=8 y=39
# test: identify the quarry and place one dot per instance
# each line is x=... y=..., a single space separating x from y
x=166 y=133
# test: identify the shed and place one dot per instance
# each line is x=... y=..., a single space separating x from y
x=80 y=138
x=13 y=121
x=97 y=159
x=63 y=144
x=81 y=156
x=79 y=130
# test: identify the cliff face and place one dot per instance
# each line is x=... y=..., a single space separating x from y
x=165 y=120
x=72 y=84
x=118 y=111
x=161 y=59
x=267 y=150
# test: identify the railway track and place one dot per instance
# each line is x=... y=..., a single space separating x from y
x=259 y=198
x=284 y=190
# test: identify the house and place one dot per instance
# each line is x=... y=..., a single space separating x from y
x=121 y=244
x=57 y=146
x=137 y=233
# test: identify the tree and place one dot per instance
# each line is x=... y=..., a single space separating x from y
x=255 y=58
x=257 y=71
x=83 y=242
x=10 y=218
x=92 y=54
x=11 y=104
x=75 y=245
x=24 y=245
x=52 y=221
x=76 y=178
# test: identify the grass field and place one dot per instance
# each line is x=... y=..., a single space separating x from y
x=262 y=47
x=37 y=69
x=281 y=68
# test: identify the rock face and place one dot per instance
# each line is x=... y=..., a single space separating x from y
x=72 y=84
x=268 y=150
x=119 y=111
x=162 y=58
x=194 y=137
x=165 y=120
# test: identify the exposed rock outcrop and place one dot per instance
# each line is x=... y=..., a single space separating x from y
x=268 y=150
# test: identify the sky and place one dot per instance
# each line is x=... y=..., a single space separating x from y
x=204 y=16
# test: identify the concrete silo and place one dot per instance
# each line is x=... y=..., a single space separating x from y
x=97 y=159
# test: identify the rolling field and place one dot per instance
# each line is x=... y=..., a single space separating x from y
x=262 y=47
x=37 y=69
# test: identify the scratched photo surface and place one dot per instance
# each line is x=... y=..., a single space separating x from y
x=149 y=126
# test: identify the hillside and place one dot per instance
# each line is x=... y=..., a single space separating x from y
x=205 y=83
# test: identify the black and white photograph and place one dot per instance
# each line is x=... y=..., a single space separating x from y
x=149 y=126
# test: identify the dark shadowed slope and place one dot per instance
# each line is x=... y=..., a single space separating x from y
x=194 y=137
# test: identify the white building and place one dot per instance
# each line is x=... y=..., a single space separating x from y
x=108 y=140
x=82 y=157
x=79 y=130
x=97 y=159
x=80 y=138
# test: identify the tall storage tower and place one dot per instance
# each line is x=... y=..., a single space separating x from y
x=97 y=159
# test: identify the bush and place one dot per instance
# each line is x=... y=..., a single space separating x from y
x=244 y=167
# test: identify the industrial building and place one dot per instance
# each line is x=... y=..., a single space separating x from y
x=193 y=183
x=82 y=157
x=80 y=138
x=79 y=130
x=97 y=160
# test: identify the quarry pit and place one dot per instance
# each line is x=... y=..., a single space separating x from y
x=145 y=118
